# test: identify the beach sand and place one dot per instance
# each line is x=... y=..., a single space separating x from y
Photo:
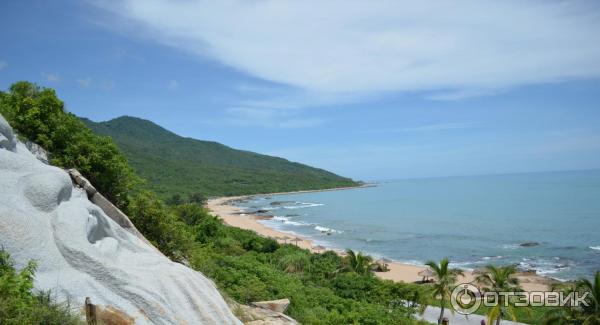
x=235 y=217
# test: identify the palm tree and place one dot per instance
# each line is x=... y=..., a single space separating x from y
x=590 y=314
x=500 y=279
x=561 y=315
x=358 y=263
x=445 y=281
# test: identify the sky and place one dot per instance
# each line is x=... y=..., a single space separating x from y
x=368 y=89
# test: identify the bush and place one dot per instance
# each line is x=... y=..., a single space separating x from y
x=20 y=305
x=159 y=225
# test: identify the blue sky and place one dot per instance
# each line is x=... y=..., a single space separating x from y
x=370 y=90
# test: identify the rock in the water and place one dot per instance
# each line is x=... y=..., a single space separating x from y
x=81 y=252
x=529 y=244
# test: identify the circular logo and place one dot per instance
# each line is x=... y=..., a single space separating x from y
x=465 y=298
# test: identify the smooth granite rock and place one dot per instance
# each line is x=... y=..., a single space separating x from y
x=81 y=252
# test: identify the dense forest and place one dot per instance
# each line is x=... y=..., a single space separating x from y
x=176 y=165
x=324 y=288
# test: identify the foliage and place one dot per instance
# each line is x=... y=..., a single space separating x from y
x=585 y=315
x=500 y=279
x=248 y=268
x=38 y=115
x=445 y=282
x=358 y=263
x=159 y=225
x=176 y=199
x=20 y=305
x=175 y=165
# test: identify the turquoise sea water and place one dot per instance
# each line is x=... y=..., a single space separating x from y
x=473 y=220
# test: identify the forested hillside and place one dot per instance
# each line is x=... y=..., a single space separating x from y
x=176 y=165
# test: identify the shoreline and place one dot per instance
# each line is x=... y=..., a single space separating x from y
x=245 y=196
x=398 y=271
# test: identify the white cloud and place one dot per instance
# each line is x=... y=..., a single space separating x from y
x=51 y=77
x=84 y=82
x=3 y=65
x=459 y=48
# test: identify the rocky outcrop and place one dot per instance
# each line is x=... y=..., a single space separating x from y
x=38 y=152
x=82 y=252
x=107 y=207
x=254 y=315
x=279 y=305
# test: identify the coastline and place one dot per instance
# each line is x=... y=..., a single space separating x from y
x=400 y=272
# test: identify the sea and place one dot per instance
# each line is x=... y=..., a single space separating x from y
x=545 y=222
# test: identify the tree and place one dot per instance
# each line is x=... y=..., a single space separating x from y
x=445 y=282
x=500 y=279
x=357 y=263
x=175 y=199
x=197 y=198
x=160 y=226
x=590 y=314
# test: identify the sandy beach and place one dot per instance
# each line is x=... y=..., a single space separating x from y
x=235 y=217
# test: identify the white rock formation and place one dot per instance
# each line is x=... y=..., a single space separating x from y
x=83 y=253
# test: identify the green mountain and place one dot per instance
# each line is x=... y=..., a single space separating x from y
x=176 y=165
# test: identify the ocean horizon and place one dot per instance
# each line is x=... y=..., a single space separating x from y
x=546 y=222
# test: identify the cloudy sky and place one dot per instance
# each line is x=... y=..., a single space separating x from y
x=368 y=89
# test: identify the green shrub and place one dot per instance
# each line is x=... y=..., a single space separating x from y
x=20 y=305
x=159 y=225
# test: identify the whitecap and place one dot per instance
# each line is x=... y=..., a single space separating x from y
x=327 y=230
x=296 y=223
x=302 y=205
x=596 y=248
x=511 y=246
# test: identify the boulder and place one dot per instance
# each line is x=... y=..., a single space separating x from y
x=252 y=315
x=279 y=305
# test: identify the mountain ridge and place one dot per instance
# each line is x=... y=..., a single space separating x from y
x=173 y=164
